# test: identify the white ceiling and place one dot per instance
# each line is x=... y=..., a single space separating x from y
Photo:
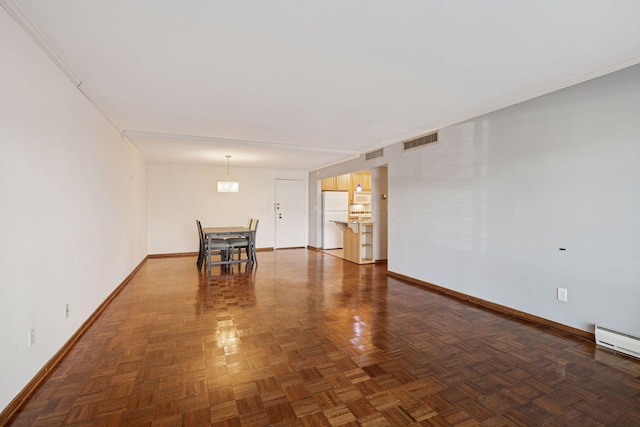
x=303 y=84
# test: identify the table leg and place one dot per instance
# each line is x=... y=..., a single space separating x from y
x=208 y=254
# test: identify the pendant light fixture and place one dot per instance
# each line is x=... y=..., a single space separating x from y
x=228 y=186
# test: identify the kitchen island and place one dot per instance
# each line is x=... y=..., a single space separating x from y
x=357 y=241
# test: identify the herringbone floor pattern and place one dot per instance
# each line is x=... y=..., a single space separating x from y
x=307 y=339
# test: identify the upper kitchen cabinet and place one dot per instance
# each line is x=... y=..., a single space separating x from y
x=336 y=183
x=363 y=178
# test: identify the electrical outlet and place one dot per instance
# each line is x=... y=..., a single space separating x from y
x=562 y=294
x=32 y=337
x=66 y=311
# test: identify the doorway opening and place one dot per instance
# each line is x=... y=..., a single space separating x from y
x=360 y=196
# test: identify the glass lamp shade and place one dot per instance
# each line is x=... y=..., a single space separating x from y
x=358 y=187
x=228 y=186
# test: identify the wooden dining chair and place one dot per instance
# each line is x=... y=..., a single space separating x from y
x=201 y=240
x=241 y=242
x=252 y=250
x=237 y=244
x=219 y=246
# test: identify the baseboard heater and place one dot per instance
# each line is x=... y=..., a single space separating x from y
x=618 y=341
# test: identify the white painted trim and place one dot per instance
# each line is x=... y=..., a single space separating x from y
x=18 y=15
x=213 y=139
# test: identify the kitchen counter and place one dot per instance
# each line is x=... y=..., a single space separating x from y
x=357 y=240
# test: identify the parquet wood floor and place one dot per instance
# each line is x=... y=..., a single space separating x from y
x=307 y=339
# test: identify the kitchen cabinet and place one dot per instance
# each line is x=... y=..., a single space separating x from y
x=348 y=182
x=336 y=183
x=342 y=183
x=357 y=241
x=364 y=179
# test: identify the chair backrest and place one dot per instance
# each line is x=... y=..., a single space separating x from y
x=249 y=223
x=200 y=233
x=254 y=228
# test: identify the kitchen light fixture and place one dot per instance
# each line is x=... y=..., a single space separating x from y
x=228 y=186
x=358 y=188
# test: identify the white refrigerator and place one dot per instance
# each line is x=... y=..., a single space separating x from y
x=335 y=207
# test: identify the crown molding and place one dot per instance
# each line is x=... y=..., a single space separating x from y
x=197 y=138
x=19 y=16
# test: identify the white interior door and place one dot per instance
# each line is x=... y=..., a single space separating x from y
x=291 y=216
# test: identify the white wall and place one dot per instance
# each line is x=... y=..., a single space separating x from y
x=179 y=194
x=72 y=208
x=485 y=211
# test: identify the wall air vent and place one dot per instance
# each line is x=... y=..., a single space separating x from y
x=375 y=154
x=421 y=142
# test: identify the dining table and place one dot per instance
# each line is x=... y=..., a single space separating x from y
x=222 y=232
